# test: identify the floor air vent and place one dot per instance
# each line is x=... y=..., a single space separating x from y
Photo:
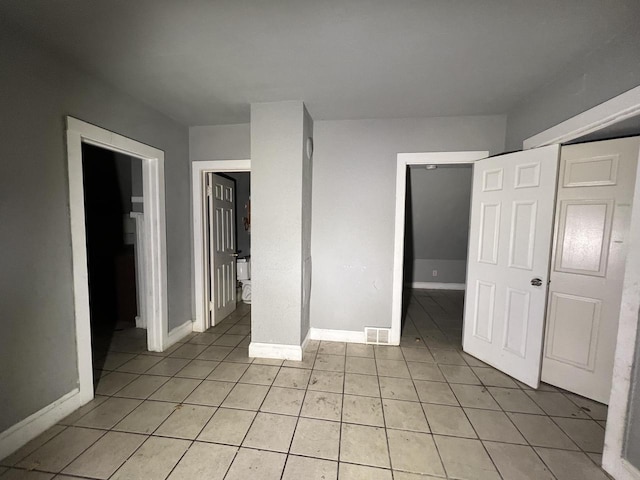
x=377 y=336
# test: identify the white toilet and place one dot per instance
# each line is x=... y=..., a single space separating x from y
x=243 y=274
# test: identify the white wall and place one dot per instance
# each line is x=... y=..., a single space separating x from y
x=37 y=91
x=354 y=207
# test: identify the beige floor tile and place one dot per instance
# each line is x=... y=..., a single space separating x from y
x=472 y=361
x=446 y=420
x=146 y=417
x=364 y=445
x=425 y=371
x=168 y=367
x=15 y=474
x=239 y=330
x=465 y=459
x=356 y=384
x=250 y=464
x=517 y=462
x=227 y=426
x=403 y=415
x=570 y=465
x=309 y=468
x=332 y=348
x=493 y=378
x=362 y=410
x=246 y=397
x=413 y=476
x=540 y=431
x=414 y=452
x=228 y=340
x=359 y=350
x=198 y=369
x=316 y=438
x=215 y=352
x=271 y=432
x=114 y=381
x=397 y=389
x=595 y=410
x=189 y=350
x=204 y=461
x=332 y=363
x=495 y=426
x=204 y=338
x=142 y=387
x=32 y=445
x=435 y=392
x=513 y=400
x=348 y=471
x=239 y=355
x=139 y=364
x=322 y=405
x=326 y=381
x=107 y=414
x=596 y=457
x=292 y=378
x=286 y=401
x=228 y=372
x=260 y=374
x=459 y=374
x=210 y=393
x=154 y=459
x=80 y=412
x=587 y=434
x=556 y=404
x=383 y=352
x=448 y=357
x=105 y=456
x=474 y=396
x=187 y=421
x=417 y=355
x=113 y=360
x=392 y=368
x=58 y=452
x=175 y=390
x=308 y=359
x=362 y=365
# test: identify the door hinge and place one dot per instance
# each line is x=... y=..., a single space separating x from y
x=209 y=190
x=212 y=306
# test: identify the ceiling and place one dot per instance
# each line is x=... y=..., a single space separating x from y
x=203 y=62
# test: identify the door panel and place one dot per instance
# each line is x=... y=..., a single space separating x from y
x=594 y=202
x=510 y=241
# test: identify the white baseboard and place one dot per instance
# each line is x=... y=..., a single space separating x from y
x=22 y=432
x=437 y=286
x=328 y=335
x=275 y=350
x=140 y=322
x=306 y=339
x=178 y=333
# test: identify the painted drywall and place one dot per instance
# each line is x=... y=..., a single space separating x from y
x=608 y=71
x=354 y=170
x=220 y=142
x=277 y=132
x=307 y=215
x=632 y=434
x=243 y=193
x=36 y=304
x=437 y=230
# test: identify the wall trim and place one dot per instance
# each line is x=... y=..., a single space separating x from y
x=22 y=432
x=621 y=107
x=198 y=168
x=305 y=342
x=275 y=350
x=178 y=333
x=403 y=161
x=329 y=335
x=437 y=286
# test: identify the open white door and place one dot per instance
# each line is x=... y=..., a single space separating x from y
x=221 y=247
x=508 y=263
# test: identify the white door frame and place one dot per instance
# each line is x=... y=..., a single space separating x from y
x=608 y=113
x=79 y=132
x=403 y=161
x=199 y=270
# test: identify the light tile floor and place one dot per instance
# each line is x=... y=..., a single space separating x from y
x=425 y=410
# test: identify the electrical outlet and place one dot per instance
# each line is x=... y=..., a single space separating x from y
x=434 y=273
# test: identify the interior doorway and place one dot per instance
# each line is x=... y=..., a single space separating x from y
x=110 y=181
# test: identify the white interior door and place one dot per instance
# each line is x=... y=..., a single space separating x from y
x=508 y=264
x=221 y=247
x=593 y=211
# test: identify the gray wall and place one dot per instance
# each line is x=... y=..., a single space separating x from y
x=278 y=190
x=243 y=192
x=439 y=226
x=307 y=198
x=220 y=142
x=632 y=434
x=606 y=72
x=36 y=303
x=354 y=179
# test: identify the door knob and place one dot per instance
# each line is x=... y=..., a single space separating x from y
x=233 y=254
x=536 y=282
